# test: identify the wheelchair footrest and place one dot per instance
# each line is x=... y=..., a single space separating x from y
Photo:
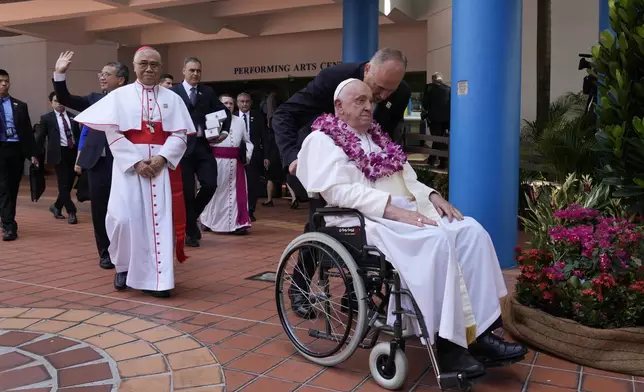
x=455 y=380
x=500 y=363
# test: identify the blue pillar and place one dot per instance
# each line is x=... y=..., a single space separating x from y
x=359 y=29
x=486 y=117
x=604 y=16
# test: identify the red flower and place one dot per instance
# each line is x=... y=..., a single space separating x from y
x=547 y=295
x=604 y=280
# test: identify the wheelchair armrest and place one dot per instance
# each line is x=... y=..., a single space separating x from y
x=335 y=211
x=320 y=213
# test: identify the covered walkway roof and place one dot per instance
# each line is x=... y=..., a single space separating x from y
x=136 y=22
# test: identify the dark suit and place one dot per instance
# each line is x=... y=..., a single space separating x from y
x=99 y=167
x=255 y=168
x=292 y=121
x=63 y=157
x=198 y=159
x=12 y=159
x=298 y=113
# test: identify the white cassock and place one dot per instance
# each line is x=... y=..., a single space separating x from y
x=451 y=270
x=228 y=208
x=141 y=222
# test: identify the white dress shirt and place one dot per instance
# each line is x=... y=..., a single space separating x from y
x=247 y=114
x=61 y=127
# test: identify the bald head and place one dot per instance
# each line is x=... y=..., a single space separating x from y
x=384 y=72
x=147 y=65
x=353 y=104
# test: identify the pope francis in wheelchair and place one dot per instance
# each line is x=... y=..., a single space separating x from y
x=388 y=254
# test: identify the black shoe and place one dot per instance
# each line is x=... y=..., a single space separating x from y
x=268 y=204
x=106 y=263
x=158 y=294
x=252 y=217
x=120 y=280
x=242 y=231
x=72 y=220
x=294 y=204
x=490 y=348
x=301 y=306
x=10 y=235
x=455 y=359
x=192 y=242
x=56 y=211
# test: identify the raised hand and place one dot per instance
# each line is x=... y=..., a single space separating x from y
x=63 y=62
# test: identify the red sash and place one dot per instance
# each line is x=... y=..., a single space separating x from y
x=144 y=136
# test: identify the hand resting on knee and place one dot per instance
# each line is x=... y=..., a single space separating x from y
x=406 y=216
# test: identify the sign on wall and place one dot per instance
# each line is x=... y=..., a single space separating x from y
x=283 y=68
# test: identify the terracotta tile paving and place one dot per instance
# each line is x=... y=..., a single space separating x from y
x=61 y=321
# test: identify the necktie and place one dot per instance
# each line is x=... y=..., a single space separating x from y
x=193 y=96
x=246 y=124
x=68 y=132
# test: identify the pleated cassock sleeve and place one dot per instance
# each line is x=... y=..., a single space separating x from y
x=174 y=148
x=324 y=168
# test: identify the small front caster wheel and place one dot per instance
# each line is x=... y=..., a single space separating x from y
x=389 y=378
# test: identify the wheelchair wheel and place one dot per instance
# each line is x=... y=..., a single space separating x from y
x=317 y=267
x=392 y=378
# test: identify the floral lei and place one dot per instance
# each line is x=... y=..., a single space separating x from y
x=374 y=165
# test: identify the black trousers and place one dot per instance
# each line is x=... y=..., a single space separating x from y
x=100 y=182
x=11 y=168
x=254 y=180
x=305 y=268
x=65 y=175
x=203 y=164
x=438 y=129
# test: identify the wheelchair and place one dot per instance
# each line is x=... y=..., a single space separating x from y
x=345 y=267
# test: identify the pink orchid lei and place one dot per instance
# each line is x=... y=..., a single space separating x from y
x=374 y=165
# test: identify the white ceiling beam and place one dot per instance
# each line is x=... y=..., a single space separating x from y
x=165 y=34
x=70 y=31
x=131 y=36
x=248 y=26
x=118 y=21
x=324 y=17
x=47 y=10
x=232 y=8
x=399 y=11
x=195 y=17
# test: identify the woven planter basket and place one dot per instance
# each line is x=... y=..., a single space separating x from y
x=616 y=350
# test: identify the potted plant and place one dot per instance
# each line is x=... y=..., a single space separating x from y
x=580 y=295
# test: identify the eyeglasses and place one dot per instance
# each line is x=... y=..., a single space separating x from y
x=105 y=75
x=145 y=65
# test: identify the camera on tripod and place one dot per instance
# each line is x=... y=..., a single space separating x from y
x=590 y=82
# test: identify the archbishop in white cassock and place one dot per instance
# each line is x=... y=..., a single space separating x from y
x=449 y=265
x=227 y=211
x=146 y=127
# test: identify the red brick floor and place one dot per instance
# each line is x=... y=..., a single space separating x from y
x=54 y=265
